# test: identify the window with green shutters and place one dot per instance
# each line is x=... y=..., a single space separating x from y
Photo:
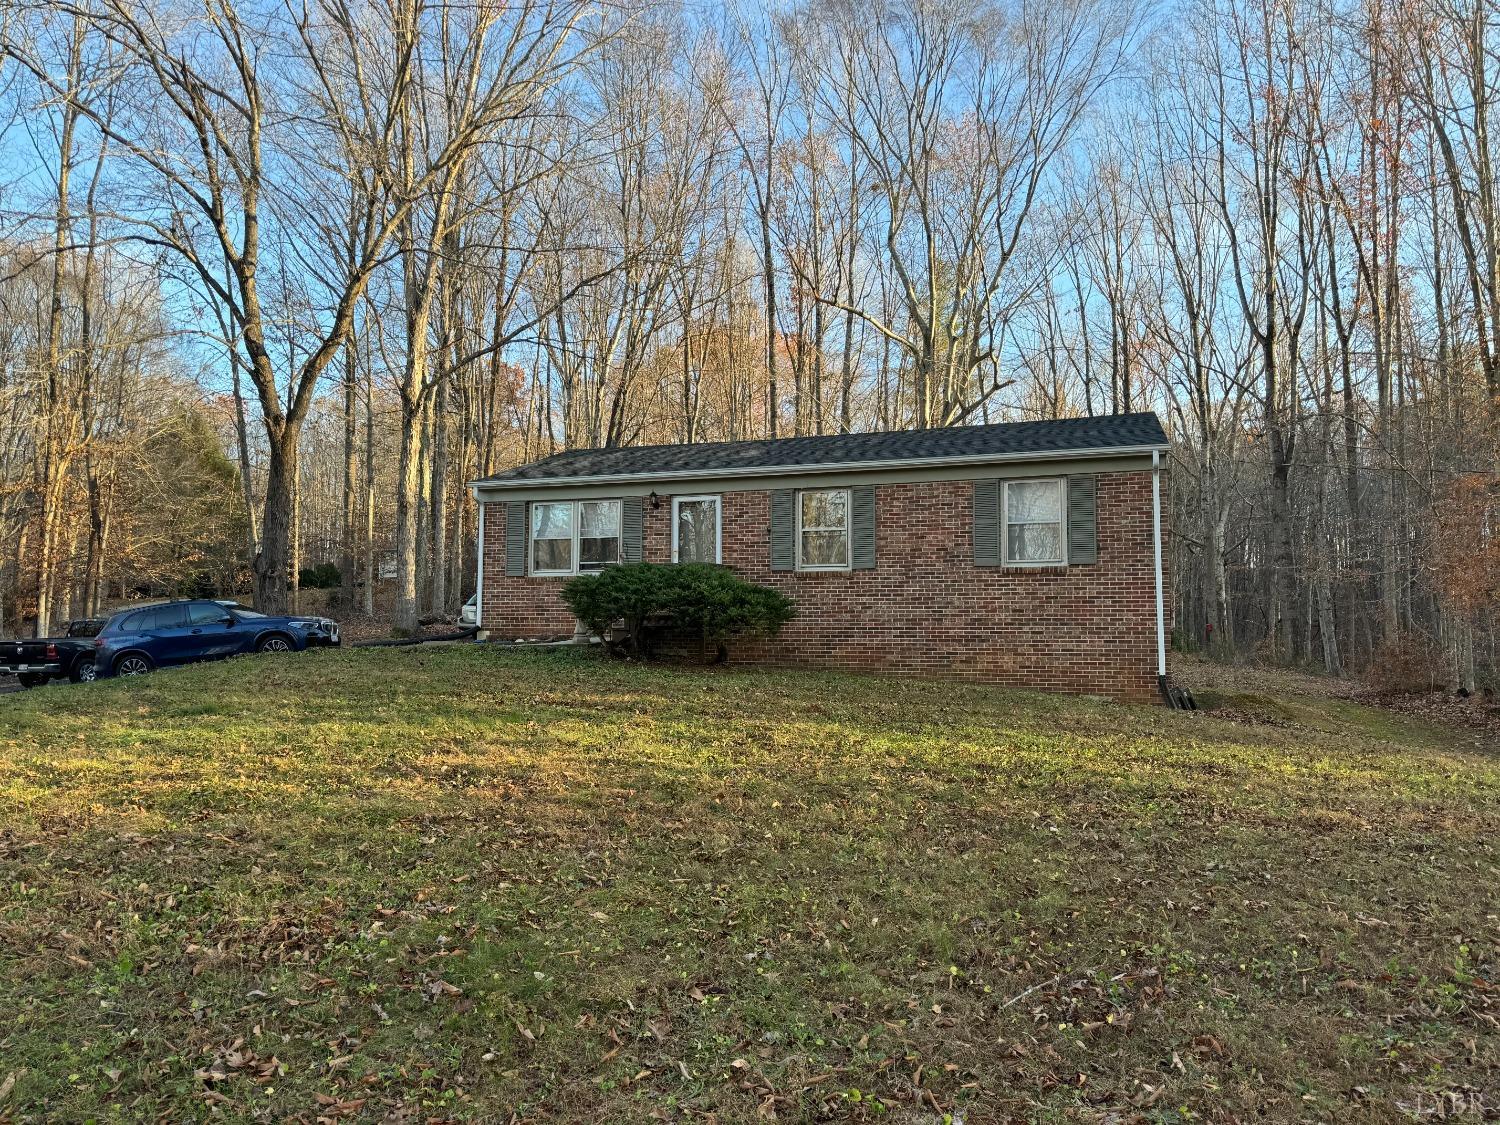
x=1040 y=522
x=1032 y=523
x=823 y=529
x=569 y=537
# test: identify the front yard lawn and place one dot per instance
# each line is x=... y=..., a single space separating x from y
x=475 y=884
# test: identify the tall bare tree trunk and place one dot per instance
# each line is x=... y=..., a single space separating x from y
x=56 y=415
x=369 y=486
x=347 y=531
x=408 y=501
x=438 y=502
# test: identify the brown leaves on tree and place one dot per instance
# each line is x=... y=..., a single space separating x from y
x=1466 y=543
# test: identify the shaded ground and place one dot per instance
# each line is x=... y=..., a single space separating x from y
x=1242 y=688
x=356 y=628
x=469 y=883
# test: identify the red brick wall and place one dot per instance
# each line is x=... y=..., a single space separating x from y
x=925 y=609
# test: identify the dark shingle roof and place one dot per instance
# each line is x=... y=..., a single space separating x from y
x=1002 y=441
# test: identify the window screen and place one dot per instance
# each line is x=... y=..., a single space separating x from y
x=1034 y=522
x=823 y=529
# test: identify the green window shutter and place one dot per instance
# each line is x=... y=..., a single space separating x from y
x=783 y=529
x=1083 y=508
x=632 y=528
x=862 y=527
x=515 y=538
x=987 y=522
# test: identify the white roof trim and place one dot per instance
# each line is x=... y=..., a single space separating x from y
x=815 y=467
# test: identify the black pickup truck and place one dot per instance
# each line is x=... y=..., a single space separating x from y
x=34 y=662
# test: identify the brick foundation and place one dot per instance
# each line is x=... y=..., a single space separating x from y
x=925 y=609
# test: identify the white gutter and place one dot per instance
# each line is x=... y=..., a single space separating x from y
x=820 y=467
x=479 y=577
x=1161 y=617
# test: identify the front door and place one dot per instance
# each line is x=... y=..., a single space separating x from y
x=213 y=627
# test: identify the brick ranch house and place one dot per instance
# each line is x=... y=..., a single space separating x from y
x=1026 y=553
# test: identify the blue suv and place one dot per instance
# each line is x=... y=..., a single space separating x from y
x=137 y=641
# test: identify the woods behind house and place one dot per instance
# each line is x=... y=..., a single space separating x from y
x=276 y=281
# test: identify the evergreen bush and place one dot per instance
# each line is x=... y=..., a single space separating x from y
x=710 y=600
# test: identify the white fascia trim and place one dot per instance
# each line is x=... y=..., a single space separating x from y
x=479 y=573
x=1161 y=615
x=830 y=467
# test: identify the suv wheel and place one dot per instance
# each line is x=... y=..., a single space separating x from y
x=132 y=664
x=274 y=643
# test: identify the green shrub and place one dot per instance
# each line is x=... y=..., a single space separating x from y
x=711 y=600
x=324 y=576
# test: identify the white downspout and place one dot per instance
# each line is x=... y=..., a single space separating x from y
x=479 y=574
x=1161 y=617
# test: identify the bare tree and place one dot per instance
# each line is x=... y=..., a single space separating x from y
x=958 y=113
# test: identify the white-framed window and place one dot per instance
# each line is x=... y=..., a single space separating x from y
x=598 y=534
x=697 y=532
x=823 y=529
x=1033 y=524
x=574 y=536
x=552 y=538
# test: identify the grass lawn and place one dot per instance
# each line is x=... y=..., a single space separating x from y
x=472 y=884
